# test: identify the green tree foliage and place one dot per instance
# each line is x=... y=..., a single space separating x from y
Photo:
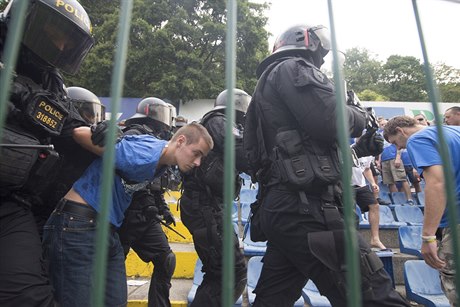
x=177 y=48
x=361 y=70
x=448 y=79
x=370 y=95
x=404 y=79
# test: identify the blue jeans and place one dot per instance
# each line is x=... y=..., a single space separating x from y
x=69 y=246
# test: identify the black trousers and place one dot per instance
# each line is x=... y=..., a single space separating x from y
x=23 y=277
x=205 y=224
x=148 y=240
x=289 y=261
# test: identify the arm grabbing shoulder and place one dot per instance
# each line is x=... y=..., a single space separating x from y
x=82 y=135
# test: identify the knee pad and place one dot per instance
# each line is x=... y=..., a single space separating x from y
x=165 y=264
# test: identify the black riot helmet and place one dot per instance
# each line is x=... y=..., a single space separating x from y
x=87 y=103
x=302 y=40
x=242 y=100
x=58 y=32
x=181 y=121
x=153 y=112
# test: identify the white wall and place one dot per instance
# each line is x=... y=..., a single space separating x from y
x=195 y=109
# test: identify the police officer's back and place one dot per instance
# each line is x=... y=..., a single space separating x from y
x=291 y=141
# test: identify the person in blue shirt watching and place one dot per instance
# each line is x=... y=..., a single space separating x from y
x=393 y=169
x=412 y=175
x=69 y=233
x=422 y=145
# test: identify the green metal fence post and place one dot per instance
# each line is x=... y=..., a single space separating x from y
x=452 y=202
x=351 y=256
x=228 y=275
x=100 y=269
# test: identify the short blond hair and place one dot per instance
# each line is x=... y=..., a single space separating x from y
x=193 y=132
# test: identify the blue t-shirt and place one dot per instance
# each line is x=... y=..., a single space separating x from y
x=136 y=160
x=405 y=158
x=389 y=152
x=423 y=151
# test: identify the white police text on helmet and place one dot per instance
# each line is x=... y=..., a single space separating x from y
x=69 y=8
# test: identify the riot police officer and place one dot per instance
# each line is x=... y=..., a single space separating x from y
x=87 y=104
x=202 y=202
x=141 y=229
x=73 y=159
x=57 y=37
x=181 y=121
x=291 y=141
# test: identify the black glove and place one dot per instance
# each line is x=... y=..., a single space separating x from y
x=169 y=218
x=370 y=144
x=99 y=132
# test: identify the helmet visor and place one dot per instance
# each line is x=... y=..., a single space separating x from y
x=159 y=112
x=324 y=36
x=55 y=39
x=92 y=112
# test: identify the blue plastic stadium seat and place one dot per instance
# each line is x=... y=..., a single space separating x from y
x=423 y=284
x=251 y=248
x=421 y=198
x=312 y=297
x=385 y=196
x=398 y=198
x=235 y=212
x=198 y=279
x=248 y=196
x=254 y=269
x=412 y=215
x=236 y=229
x=245 y=210
x=410 y=240
x=383 y=188
x=386 y=218
x=245 y=176
x=363 y=223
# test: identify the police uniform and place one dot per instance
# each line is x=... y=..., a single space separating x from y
x=38 y=114
x=294 y=114
x=143 y=233
x=202 y=211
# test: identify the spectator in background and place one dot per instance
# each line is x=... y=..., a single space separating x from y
x=411 y=172
x=452 y=116
x=392 y=168
x=365 y=198
x=421 y=119
x=422 y=145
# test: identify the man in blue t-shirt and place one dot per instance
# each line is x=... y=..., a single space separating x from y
x=69 y=233
x=423 y=147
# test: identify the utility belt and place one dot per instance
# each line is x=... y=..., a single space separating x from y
x=82 y=210
x=25 y=162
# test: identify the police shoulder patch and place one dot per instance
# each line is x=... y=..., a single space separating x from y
x=307 y=74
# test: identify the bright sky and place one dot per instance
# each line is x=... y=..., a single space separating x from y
x=384 y=27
